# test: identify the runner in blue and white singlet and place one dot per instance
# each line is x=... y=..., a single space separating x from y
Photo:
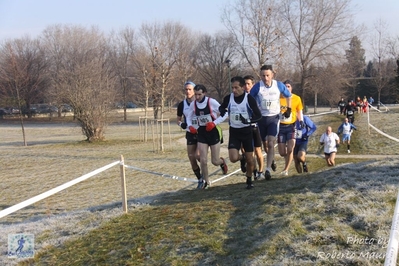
x=267 y=94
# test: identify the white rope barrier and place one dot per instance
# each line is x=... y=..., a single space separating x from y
x=163 y=175
x=378 y=110
x=393 y=244
x=384 y=134
x=182 y=178
x=225 y=176
x=53 y=191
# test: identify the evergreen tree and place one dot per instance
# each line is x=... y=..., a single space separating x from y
x=356 y=58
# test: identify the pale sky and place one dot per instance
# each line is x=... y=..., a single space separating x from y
x=31 y=17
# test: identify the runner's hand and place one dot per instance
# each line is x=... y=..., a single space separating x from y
x=210 y=126
x=222 y=111
x=244 y=120
x=192 y=130
x=183 y=125
x=287 y=113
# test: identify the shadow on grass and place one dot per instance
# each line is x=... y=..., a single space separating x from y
x=284 y=221
x=264 y=218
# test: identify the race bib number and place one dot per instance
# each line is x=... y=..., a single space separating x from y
x=235 y=118
x=350 y=112
x=194 y=122
x=269 y=105
x=203 y=119
x=298 y=134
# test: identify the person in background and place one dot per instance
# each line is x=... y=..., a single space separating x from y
x=286 y=133
x=182 y=110
x=206 y=111
x=267 y=94
x=365 y=105
x=359 y=105
x=302 y=134
x=243 y=111
x=346 y=128
x=341 y=106
x=350 y=111
x=371 y=100
x=330 y=141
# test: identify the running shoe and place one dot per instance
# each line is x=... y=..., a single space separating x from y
x=249 y=183
x=305 y=167
x=243 y=163
x=349 y=151
x=206 y=185
x=274 y=166
x=268 y=176
x=201 y=184
x=284 y=173
x=259 y=176
x=224 y=166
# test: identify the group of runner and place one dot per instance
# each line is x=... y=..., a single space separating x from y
x=259 y=114
x=330 y=140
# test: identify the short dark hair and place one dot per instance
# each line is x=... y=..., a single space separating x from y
x=249 y=77
x=287 y=82
x=199 y=87
x=267 y=67
x=240 y=79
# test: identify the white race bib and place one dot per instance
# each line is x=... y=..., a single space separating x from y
x=204 y=119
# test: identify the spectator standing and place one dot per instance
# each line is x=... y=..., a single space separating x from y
x=371 y=100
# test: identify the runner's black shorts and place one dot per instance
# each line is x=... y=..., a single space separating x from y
x=192 y=139
x=209 y=137
x=256 y=137
x=241 y=137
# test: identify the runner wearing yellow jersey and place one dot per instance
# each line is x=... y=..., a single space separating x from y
x=286 y=135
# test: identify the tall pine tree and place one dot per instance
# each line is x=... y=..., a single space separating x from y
x=356 y=58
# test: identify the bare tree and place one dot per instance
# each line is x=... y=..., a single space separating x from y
x=317 y=30
x=379 y=43
x=85 y=77
x=212 y=53
x=122 y=47
x=258 y=28
x=161 y=46
x=23 y=74
x=326 y=84
x=24 y=59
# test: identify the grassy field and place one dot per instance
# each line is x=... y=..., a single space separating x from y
x=324 y=217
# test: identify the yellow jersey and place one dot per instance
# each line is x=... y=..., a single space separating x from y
x=296 y=106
